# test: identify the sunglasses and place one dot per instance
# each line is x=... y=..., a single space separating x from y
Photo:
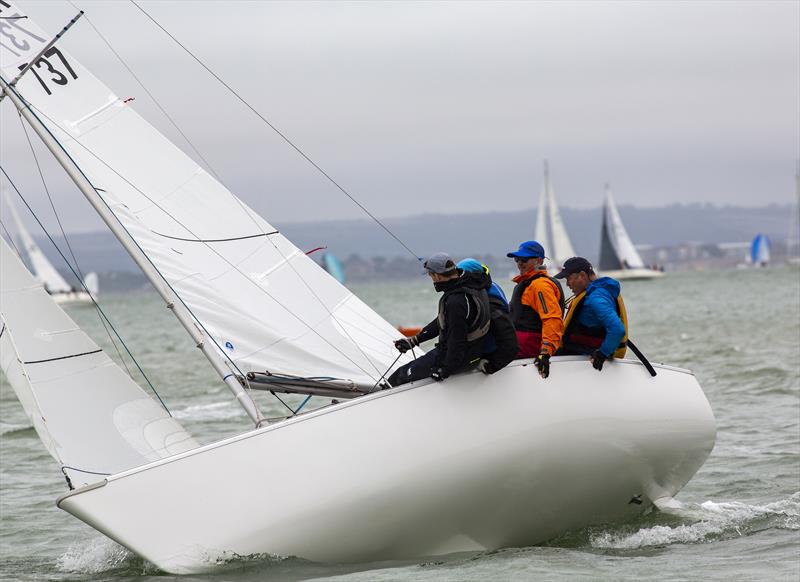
x=521 y=260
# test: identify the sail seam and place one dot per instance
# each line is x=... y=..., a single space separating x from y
x=63 y=357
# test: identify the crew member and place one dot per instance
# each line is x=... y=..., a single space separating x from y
x=537 y=307
x=596 y=323
x=462 y=323
x=500 y=345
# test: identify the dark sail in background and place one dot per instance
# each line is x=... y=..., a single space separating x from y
x=608 y=256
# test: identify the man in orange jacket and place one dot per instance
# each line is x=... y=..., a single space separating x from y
x=537 y=307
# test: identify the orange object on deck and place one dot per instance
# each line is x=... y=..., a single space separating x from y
x=409 y=331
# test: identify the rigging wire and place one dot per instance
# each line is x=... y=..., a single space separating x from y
x=97 y=306
x=280 y=133
x=66 y=240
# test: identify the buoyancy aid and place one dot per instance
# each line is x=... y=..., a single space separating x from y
x=478 y=311
x=581 y=339
x=524 y=317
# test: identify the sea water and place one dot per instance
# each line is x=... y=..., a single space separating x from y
x=739 y=331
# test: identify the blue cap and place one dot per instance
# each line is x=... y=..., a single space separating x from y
x=472 y=266
x=530 y=249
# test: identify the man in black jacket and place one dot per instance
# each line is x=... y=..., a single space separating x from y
x=464 y=319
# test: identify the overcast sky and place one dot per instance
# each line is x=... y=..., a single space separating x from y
x=451 y=107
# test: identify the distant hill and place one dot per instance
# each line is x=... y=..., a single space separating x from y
x=484 y=234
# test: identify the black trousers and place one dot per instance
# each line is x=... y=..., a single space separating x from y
x=420 y=368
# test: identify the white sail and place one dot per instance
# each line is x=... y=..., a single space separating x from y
x=627 y=255
x=562 y=246
x=92 y=418
x=43 y=269
x=261 y=299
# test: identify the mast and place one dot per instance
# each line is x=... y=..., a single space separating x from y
x=171 y=299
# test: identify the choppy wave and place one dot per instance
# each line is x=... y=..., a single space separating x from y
x=710 y=521
x=16 y=430
x=98 y=555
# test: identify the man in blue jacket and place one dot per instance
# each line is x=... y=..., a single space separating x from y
x=596 y=323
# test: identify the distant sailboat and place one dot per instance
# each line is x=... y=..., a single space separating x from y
x=44 y=271
x=334 y=267
x=550 y=229
x=618 y=257
x=759 y=251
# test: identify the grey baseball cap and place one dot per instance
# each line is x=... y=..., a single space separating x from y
x=440 y=263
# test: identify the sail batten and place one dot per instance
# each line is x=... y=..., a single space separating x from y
x=265 y=304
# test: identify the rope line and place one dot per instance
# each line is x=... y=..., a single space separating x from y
x=280 y=133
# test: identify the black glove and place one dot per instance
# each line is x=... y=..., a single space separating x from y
x=406 y=343
x=542 y=363
x=598 y=358
x=439 y=374
x=485 y=366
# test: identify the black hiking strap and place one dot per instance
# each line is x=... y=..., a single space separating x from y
x=641 y=357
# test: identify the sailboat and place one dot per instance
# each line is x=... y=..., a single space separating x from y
x=471 y=463
x=550 y=230
x=619 y=259
x=44 y=271
x=760 y=251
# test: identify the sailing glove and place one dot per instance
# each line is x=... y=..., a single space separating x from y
x=542 y=363
x=598 y=358
x=485 y=366
x=406 y=343
x=439 y=374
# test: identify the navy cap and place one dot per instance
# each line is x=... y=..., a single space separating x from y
x=440 y=263
x=529 y=249
x=575 y=265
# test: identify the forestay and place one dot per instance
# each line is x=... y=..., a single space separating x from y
x=43 y=270
x=92 y=418
x=264 y=302
x=616 y=248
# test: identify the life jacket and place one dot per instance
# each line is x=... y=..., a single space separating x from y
x=581 y=339
x=478 y=311
x=524 y=317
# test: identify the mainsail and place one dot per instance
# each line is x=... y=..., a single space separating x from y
x=616 y=248
x=266 y=305
x=91 y=416
x=43 y=269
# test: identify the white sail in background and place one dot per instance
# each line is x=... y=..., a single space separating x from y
x=550 y=230
x=43 y=269
x=263 y=301
x=562 y=246
x=88 y=413
x=626 y=255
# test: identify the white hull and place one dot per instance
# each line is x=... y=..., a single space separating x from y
x=71 y=297
x=631 y=274
x=472 y=463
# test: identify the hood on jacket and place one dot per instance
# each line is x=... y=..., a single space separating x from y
x=609 y=285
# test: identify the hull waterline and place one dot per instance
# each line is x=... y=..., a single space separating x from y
x=472 y=463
